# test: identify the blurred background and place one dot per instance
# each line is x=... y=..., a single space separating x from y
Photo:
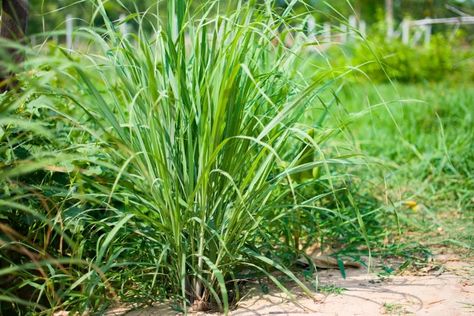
x=48 y=14
x=412 y=40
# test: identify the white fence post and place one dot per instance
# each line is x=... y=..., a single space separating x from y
x=311 y=28
x=363 y=28
x=418 y=34
x=69 y=29
x=427 y=28
x=123 y=25
x=352 y=26
x=327 y=32
x=311 y=24
x=343 y=33
x=405 y=31
x=389 y=18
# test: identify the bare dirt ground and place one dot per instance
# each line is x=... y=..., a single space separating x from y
x=443 y=287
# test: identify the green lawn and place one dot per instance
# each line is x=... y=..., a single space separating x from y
x=421 y=138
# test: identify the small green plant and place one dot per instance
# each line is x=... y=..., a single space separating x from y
x=394 y=309
x=331 y=289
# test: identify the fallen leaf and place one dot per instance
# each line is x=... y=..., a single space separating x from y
x=328 y=262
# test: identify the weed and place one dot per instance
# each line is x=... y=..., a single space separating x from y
x=394 y=309
x=331 y=289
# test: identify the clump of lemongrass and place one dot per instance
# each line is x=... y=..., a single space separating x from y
x=195 y=115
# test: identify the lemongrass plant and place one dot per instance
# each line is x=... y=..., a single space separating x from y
x=195 y=119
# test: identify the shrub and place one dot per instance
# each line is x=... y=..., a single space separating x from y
x=382 y=60
x=406 y=63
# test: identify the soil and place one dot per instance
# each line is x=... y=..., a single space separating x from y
x=445 y=286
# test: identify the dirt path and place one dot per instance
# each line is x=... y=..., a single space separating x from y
x=450 y=293
x=445 y=287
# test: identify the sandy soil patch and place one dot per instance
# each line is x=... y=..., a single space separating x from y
x=445 y=287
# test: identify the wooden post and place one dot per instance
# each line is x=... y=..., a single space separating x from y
x=14 y=18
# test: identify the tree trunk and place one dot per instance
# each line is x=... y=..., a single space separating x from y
x=14 y=18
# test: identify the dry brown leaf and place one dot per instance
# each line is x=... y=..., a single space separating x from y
x=328 y=262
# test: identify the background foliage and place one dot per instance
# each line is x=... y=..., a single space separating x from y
x=48 y=14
